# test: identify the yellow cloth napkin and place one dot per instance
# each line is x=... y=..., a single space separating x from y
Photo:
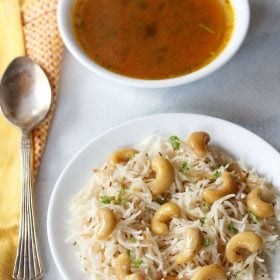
x=11 y=45
x=26 y=27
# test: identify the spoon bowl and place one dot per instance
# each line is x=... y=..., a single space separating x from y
x=25 y=94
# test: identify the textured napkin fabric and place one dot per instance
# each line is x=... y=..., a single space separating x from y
x=26 y=27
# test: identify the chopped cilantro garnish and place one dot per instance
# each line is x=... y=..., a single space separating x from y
x=105 y=199
x=217 y=173
x=133 y=240
x=205 y=207
x=184 y=167
x=202 y=221
x=231 y=227
x=128 y=252
x=253 y=216
x=121 y=196
x=136 y=263
x=175 y=142
x=206 y=242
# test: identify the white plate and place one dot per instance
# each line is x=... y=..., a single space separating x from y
x=239 y=141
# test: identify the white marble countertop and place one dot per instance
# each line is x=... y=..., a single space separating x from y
x=246 y=91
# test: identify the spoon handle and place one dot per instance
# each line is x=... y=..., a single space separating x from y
x=28 y=265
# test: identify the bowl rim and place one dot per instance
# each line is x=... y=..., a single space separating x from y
x=241 y=25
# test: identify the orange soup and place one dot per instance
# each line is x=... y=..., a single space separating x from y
x=153 y=39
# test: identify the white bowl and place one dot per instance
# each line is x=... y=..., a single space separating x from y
x=241 y=23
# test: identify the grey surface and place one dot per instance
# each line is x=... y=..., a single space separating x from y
x=246 y=91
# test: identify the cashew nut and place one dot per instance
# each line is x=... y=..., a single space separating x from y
x=123 y=269
x=193 y=242
x=107 y=222
x=198 y=141
x=241 y=174
x=163 y=215
x=228 y=187
x=244 y=240
x=122 y=266
x=212 y=271
x=122 y=155
x=259 y=207
x=164 y=175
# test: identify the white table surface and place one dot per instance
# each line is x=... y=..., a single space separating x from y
x=246 y=91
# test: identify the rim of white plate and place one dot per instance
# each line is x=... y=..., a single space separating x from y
x=50 y=225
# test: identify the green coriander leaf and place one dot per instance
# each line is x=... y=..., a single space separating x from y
x=133 y=240
x=217 y=173
x=129 y=253
x=175 y=142
x=206 y=242
x=184 y=167
x=122 y=196
x=136 y=263
x=254 y=217
x=202 y=221
x=206 y=207
x=231 y=227
x=106 y=199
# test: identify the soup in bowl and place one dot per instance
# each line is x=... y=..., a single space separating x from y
x=153 y=43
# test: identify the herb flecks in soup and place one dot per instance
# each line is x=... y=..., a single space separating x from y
x=150 y=39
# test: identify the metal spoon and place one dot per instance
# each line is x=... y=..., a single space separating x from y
x=25 y=99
